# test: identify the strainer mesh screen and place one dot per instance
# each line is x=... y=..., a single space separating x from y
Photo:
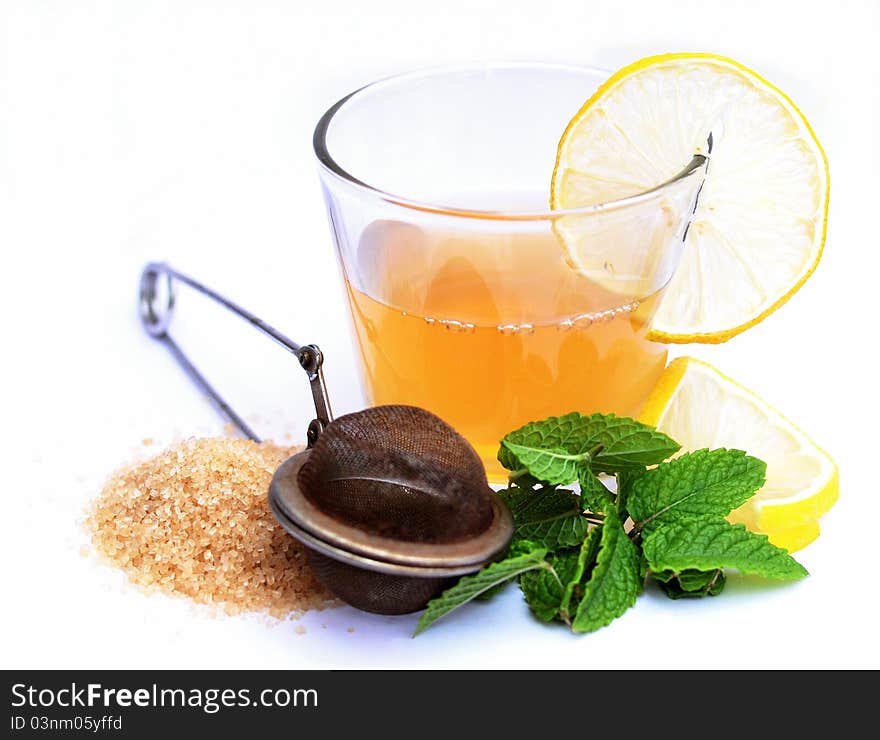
x=399 y=472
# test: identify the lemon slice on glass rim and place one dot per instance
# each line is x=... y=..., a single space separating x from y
x=700 y=407
x=759 y=227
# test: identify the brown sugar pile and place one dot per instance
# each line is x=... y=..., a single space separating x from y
x=194 y=520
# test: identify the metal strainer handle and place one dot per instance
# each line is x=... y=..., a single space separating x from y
x=156 y=317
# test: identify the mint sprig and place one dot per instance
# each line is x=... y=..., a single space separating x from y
x=583 y=558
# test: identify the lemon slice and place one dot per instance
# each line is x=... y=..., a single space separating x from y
x=699 y=407
x=759 y=228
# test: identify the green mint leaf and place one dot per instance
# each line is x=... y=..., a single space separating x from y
x=709 y=582
x=508 y=459
x=710 y=543
x=614 y=582
x=513 y=496
x=574 y=591
x=492 y=592
x=700 y=483
x=555 y=449
x=594 y=495
x=549 y=516
x=625 y=481
x=554 y=535
x=544 y=590
x=522 y=547
x=469 y=587
x=644 y=568
x=691 y=583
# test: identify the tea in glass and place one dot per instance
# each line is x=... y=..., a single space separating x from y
x=469 y=296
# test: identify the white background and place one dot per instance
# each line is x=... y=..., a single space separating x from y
x=182 y=131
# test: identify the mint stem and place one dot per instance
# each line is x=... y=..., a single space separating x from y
x=595 y=450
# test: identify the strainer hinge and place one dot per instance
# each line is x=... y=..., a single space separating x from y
x=311 y=358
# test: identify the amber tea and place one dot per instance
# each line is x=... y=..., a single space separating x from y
x=490 y=331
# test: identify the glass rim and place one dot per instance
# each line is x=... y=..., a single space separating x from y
x=330 y=166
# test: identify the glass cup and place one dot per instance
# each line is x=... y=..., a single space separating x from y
x=469 y=296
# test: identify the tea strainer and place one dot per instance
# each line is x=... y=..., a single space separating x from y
x=391 y=503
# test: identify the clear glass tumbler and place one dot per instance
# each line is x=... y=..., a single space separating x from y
x=469 y=296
